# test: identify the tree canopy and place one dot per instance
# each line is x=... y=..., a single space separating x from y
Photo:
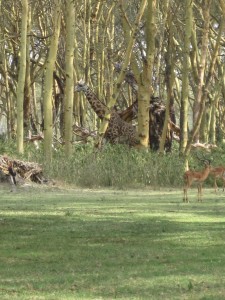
x=125 y=51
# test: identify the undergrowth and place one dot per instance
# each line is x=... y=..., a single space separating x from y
x=115 y=166
x=118 y=167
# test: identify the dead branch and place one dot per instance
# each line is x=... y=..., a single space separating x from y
x=83 y=133
x=26 y=170
x=205 y=146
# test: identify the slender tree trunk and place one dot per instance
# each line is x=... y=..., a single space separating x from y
x=27 y=89
x=47 y=101
x=209 y=114
x=9 y=109
x=21 y=76
x=185 y=77
x=145 y=86
x=121 y=77
x=169 y=78
x=69 y=89
x=222 y=4
x=201 y=73
x=212 y=129
x=199 y=104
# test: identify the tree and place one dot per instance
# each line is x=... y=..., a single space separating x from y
x=108 y=34
x=49 y=68
x=145 y=81
x=199 y=104
x=69 y=88
x=121 y=76
x=21 y=76
x=169 y=74
x=185 y=76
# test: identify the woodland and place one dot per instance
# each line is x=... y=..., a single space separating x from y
x=109 y=101
x=146 y=73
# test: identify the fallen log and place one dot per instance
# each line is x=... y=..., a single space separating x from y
x=28 y=171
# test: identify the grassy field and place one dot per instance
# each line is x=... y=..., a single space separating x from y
x=104 y=244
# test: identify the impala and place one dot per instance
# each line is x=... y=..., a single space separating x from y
x=218 y=172
x=199 y=177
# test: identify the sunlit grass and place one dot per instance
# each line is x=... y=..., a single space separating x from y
x=105 y=244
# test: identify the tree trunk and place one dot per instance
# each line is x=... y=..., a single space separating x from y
x=201 y=72
x=69 y=89
x=47 y=101
x=21 y=77
x=170 y=79
x=185 y=78
x=27 y=89
x=121 y=77
x=145 y=87
x=222 y=4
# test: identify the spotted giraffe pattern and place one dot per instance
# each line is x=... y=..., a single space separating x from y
x=118 y=131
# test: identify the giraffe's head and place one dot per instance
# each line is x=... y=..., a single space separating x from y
x=81 y=86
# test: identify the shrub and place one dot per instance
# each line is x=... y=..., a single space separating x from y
x=115 y=166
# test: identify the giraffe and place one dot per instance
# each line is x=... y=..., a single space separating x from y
x=157 y=112
x=118 y=131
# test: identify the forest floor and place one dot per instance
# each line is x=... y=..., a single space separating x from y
x=111 y=244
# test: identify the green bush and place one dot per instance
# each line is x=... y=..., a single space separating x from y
x=115 y=166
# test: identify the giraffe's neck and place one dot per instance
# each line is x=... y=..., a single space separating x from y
x=99 y=107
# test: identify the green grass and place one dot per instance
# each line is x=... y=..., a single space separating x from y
x=105 y=244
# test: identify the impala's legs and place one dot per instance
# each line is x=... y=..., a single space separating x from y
x=185 y=199
x=200 y=192
x=186 y=187
x=198 y=197
x=215 y=185
x=187 y=184
x=223 y=178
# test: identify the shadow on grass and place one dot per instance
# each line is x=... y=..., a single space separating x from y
x=124 y=245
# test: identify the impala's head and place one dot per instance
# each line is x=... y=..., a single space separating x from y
x=206 y=161
x=81 y=86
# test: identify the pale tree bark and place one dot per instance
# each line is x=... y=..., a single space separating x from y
x=121 y=76
x=127 y=29
x=21 y=76
x=7 y=105
x=198 y=105
x=222 y=4
x=27 y=89
x=169 y=75
x=205 y=130
x=105 y=38
x=97 y=49
x=50 y=64
x=185 y=77
x=76 y=76
x=87 y=56
x=69 y=88
x=108 y=57
x=212 y=125
x=145 y=86
x=97 y=44
x=222 y=75
x=162 y=12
